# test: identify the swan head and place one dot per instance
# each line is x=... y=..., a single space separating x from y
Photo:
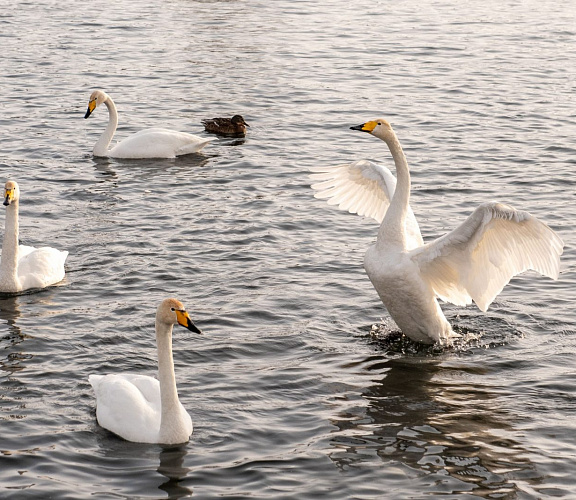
x=172 y=312
x=98 y=97
x=380 y=128
x=11 y=193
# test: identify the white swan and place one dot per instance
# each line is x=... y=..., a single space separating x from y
x=23 y=267
x=473 y=262
x=143 y=409
x=149 y=143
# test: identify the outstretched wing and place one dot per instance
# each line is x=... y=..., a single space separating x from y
x=363 y=188
x=477 y=259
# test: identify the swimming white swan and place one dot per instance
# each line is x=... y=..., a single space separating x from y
x=23 y=267
x=473 y=262
x=149 y=143
x=143 y=409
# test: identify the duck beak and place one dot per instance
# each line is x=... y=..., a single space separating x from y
x=365 y=127
x=186 y=322
x=91 y=107
x=8 y=197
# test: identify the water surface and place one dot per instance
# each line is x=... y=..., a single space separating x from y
x=293 y=392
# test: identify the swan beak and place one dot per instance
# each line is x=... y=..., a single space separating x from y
x=91 y=107
x=8 y=196
x=365 y=127
x=186 y=322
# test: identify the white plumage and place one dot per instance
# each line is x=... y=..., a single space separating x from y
x=140 y=408
x=363 y=188
x=23 y=267
x=472 y=263
x=149 y=143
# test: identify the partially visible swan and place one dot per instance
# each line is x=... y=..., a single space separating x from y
x=472 y=263
x=23 y=267
x=143 y=409
x=149 y=143
x=235 y=126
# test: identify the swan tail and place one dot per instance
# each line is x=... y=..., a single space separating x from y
x=194 y=147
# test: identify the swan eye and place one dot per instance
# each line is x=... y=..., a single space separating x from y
x=379 y=123
x=172 y=309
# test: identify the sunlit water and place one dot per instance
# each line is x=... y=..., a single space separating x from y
x=300 y=387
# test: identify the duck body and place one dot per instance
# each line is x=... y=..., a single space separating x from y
x=471 y=263
x=140 y=408
x=235 y=126
x=24 y=267
x=148 y=143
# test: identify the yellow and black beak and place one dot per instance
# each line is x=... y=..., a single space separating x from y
x=8 y=196
x=91 y=107
x=365 y=127
x=186 y=322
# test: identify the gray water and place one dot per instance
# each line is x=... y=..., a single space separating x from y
x=294 y=391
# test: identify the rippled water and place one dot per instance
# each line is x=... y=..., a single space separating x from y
x=292 y=391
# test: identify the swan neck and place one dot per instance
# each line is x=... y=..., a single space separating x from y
x=9 y=260
x=166 y=377
x=393 y=228
x=101 y=146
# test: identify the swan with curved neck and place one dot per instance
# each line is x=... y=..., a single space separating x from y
x=149 y=143
x=143 y=409
x=23 y=267
x=472 y=263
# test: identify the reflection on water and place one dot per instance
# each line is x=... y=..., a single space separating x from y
x=172 y=467
x=236 y=232
x=104 y=169
x=115 y=453
x=10 y=312
x=12 y=356
x=416 y=417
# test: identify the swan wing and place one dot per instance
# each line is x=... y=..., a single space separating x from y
x=128 y=405
x=40 y=267
x=158 y=143
x=364 y=188
x=24 y=250
x=477 y=259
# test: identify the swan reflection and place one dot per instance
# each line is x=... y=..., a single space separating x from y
x=172 y=467
x=150 y=467
x=11 y=335
x=434 y=416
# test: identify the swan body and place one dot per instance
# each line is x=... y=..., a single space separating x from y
x=23 y=267
x=140 y=408
x=235 y=126
x=471 y=263
x=149 y=143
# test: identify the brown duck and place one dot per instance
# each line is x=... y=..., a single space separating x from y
x=226 y=126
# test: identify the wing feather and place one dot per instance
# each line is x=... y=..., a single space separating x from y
x=364 y=188
x=361 y=187
x=477 y=259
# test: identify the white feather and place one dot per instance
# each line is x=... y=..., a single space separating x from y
x=364 y=188
x=476 y=260
x=472 y=263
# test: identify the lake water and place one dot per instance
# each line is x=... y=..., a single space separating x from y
x=293 y=392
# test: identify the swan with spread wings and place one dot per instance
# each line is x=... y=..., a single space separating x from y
x=471 y=263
